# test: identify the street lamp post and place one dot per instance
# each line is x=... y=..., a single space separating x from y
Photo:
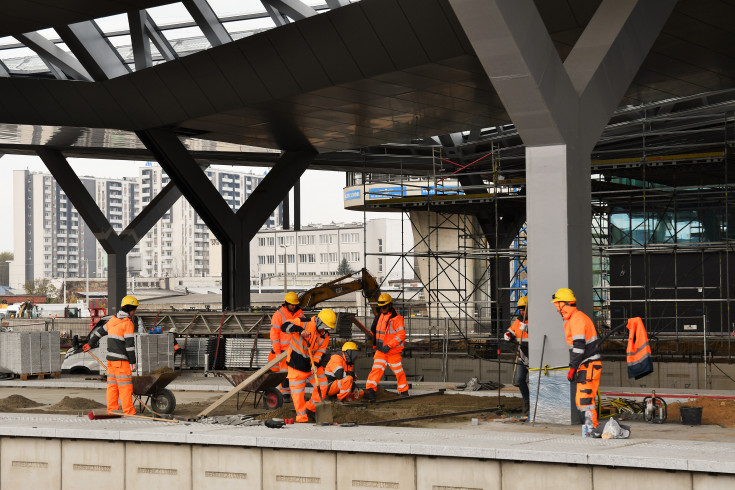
x=285 y=280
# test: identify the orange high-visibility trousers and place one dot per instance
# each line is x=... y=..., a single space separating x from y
x=380 y=362
x=297 y=379
x=281 y=367
x=342 y=389
x=120 y=383
x=588 y=382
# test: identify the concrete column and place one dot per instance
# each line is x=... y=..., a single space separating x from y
x=560 y=110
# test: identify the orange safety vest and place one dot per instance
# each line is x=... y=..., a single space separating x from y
x=337 y=366
x=515 y=330
x=389 y=331
x=281 y=340
x=640 y=363
x=298 y=354
x=581 y=336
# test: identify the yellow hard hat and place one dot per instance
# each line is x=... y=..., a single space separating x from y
x=522 y=301
x=563 y=294
x=291 y=298
x=384 y=299
x=349 y=346
x=129 y=300
x=328 y=317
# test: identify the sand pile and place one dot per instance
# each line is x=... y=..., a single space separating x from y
x=714 y=411
x=76 y=403
x=15 y=402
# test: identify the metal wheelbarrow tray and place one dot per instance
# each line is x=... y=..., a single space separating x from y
x=264 y=387
x=153 y=386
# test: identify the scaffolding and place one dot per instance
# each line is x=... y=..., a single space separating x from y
x=663 y=225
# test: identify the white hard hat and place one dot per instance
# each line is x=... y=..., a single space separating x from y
x=173 y=330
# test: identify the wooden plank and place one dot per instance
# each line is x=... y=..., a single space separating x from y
x=242 y=385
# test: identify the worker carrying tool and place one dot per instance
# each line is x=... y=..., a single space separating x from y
x=390 y=338
x=280 y=340
x=340 y=373
x=518 y=333
x=120 y=355
x=308 y=344
x=585 y=365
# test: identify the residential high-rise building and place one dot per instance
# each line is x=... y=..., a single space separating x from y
x=51 y=240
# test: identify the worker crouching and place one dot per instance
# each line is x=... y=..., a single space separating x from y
x=585 y=366
x=340 y=373
x=120 y=355
x=390 y=338
x=308 y=345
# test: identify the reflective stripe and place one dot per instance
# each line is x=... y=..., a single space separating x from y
x=123 y=383
x=593 y=339
x=402 y=386
x=116 y=337
x=380 y=362
x=578 y=337
x=577 y=351
x=371 y=383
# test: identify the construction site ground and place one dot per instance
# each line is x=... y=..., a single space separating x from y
x=77 y=395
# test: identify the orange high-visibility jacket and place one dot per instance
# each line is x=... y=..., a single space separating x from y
x=388 y=330
x=581 y=336
x=121 y=341
x=298 y=355
x=516 y=333
x=337 y=368
x=640 y=363
x=280 y=340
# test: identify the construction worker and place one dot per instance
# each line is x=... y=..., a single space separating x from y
x=585 y=365
x=390 y=337
x=120 y=355
x=308 y=344
x=279 y=340
x=518 y=334
x=340 y=373
x=177 y=347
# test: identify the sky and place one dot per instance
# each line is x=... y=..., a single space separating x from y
x=321 y=191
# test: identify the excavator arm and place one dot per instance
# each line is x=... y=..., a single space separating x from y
x=341 y=286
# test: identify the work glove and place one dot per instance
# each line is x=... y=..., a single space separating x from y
x=323 y=361
x=570 y=374
x=524 y=326
x=132 y=368
x=350 y=373
x=508 y=336
x=86 y=347
x=384 y=349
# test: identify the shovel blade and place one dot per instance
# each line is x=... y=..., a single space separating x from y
x=324 y=414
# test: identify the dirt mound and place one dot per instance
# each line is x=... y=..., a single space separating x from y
x=15 y=402
x=76 y=403
x=714 y=411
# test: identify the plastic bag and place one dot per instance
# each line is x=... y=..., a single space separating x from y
x=613 y=430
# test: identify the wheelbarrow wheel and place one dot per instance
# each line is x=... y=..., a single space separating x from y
x=164 y=401
x=272 y=398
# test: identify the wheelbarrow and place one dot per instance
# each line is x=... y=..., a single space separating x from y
x=264 y=388
x=153 y=387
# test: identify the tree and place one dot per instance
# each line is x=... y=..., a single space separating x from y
x=41 y=287
x=344 y=268
x=6 y=256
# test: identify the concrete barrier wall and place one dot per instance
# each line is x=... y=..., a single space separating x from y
x=75 y=464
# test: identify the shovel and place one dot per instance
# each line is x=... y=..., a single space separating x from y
x=323 y=409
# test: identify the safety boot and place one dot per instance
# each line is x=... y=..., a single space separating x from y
x=370 y=395
x=403 y=393
x=311 y=416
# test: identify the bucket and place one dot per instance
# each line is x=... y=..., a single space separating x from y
x=691 y=415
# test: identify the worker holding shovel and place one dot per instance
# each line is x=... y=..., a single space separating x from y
x=518 y=332
x=309 y=344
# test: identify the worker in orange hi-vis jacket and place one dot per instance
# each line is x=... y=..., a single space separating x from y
x=120 y=355
x=280 y=341
x=390 y=338
x=309 y=344
x=340 y=373
x=585 y=366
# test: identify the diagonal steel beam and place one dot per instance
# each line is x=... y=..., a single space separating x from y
x=159 y=40
x=150 y=215
x=333 y=4
x=51 y=53
x=208 y=22
x=93 y=50
x=4 y=72
x=181 y=167
x=293 y=8
x=139 y=40
x=270 y=192
x=277 y=17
